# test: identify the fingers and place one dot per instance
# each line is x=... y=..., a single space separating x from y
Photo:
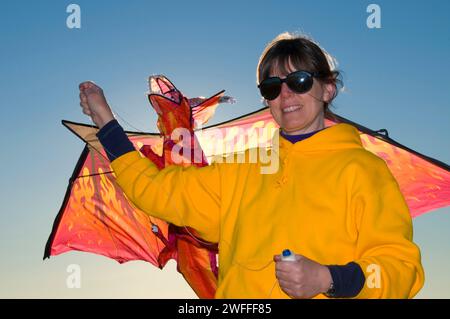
x=86 y=85
x=288 y=266
x=94 y=104
x=83 y=97
x=84 y=104
x=83 y=85
x=85 y=108
x=286 y=284
x=278 y=258
x=286 y=275
x=289 y=288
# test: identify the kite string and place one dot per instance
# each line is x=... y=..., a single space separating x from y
x=128 y=122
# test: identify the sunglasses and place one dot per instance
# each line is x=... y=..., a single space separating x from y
x=298 y=81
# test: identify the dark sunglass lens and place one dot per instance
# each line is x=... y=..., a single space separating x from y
x=300 y=82
x=270 y=88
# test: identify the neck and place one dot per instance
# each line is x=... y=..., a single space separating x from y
x=317 y=124
x=314 y=127
x=297 y=138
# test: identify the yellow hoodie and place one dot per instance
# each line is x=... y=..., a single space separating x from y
x=330 y=200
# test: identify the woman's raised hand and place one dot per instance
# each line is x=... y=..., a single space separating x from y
x=93 y=103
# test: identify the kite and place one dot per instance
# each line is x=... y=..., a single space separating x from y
x=96 y=217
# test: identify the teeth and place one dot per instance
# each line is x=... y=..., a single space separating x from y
x=291 y=108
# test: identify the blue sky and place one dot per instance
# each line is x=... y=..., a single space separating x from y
x=396 y=78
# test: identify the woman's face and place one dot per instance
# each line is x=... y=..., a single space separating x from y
x=300 y=113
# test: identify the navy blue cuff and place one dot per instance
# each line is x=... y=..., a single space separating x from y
x=114 y=140
x=348 y=280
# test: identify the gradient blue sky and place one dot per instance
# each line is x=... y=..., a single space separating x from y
x=396 y=78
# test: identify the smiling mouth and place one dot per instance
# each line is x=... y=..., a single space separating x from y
x=292 y=108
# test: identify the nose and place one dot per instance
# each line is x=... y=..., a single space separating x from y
x=285 y=90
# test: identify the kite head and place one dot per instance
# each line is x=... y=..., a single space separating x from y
x=176 y=111
x=172 y=107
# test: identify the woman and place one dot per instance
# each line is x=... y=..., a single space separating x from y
x=336 y=205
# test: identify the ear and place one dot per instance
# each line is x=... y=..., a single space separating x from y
x=329 y=90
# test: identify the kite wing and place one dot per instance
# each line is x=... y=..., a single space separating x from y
x=96 y=216
x=423 y=181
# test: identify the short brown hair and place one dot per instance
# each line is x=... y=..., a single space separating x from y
x=304 y=54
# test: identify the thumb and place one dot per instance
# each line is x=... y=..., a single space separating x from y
x=298 y=257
